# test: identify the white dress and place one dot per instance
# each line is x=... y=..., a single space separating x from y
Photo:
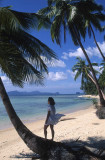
x=53 y=118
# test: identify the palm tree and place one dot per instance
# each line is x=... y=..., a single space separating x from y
x=21 y=61
x=65 y=15
x=92 y=14
x=102 y=76
x=84 y=71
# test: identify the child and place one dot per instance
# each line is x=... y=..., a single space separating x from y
x=52 y=118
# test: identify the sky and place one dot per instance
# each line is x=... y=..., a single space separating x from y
x=60 y=78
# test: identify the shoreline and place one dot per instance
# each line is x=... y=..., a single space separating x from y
x=82 y=124
x=69 y=111
x=90 y=96
x=36 y=110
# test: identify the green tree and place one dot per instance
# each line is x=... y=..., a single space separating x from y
x=87 y=82
x=93 y=15
x=64 y=16
x=21 y=61
x=102 y=77
x=89 y=87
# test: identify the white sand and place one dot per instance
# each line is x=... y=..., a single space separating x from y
x=90 y=96
x=82 y=124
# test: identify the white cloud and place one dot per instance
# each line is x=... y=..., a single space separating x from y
x=55 y=76
x=5 y=79
x=72 y=74
x=91 y=51
x=77 y=53
x=65 y=55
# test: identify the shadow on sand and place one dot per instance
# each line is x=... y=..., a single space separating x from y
x=95 y=144
x=27 y=156
x=66 y=119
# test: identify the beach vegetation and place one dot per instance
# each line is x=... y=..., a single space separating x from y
x=95 y=103
x=87 y=82
x=102 y=76
x=82 y=70
x=66 y=17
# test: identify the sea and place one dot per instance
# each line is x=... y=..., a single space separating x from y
x=33 y=108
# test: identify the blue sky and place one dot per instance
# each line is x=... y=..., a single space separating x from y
x=61 y=77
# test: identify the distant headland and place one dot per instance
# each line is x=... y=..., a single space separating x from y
x=17 y=93
x=33 y=93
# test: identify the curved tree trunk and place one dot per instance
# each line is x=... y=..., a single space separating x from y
x=97 y=43
x=37 y=144
x=45 y=148
x=95 y=84
x=102 y=101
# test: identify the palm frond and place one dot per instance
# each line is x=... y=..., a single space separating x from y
x=16 y=67
x=31 y=47
x=17 y=20
x=55 y=28
x=77 y=75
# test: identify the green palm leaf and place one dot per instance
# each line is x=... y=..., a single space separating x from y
x=16 y=67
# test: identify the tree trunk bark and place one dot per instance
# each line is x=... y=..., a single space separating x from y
x=97 y=43
x=37 y=144
x=102 y=101
x=45 y=148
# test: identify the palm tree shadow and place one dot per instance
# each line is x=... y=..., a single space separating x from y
x=65 y=119
x=94 y=144
x=27 y=155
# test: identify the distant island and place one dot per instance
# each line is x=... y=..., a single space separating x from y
x=33 y=93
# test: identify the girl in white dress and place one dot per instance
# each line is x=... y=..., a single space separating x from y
x=50 y=119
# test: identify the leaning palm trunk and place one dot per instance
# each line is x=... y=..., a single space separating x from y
x=95 y=84
x=45 y=148
x=102 y=101
x=97 y=43
x=36 y=144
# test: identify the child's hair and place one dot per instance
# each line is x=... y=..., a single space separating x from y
x=51 y=100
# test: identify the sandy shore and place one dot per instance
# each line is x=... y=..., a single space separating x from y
x=82 y=124
x=89 y=96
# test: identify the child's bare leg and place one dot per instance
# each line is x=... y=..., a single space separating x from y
x=52 y=131
x=45 y=131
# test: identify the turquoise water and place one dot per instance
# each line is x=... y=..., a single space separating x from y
x=32 y=108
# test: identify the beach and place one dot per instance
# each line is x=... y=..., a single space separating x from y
x=83 y=125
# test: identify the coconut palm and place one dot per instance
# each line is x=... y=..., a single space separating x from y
x=65 y=15
x=93 y=14
x=102 y=76
x=84 y=71
x=21 y=61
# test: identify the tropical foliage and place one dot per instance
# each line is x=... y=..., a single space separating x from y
x=102 y=77
x=87 y=82
x=82 y=70
x=23 y=52
x=70 y=16
x=21 y=61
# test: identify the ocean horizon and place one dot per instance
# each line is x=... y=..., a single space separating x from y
x=33 y=108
